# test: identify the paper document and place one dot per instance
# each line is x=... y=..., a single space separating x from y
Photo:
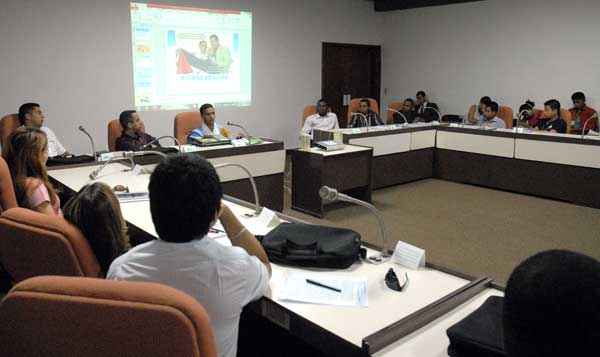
x=353 y=290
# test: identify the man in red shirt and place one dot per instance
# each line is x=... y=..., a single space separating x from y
x=580 y=113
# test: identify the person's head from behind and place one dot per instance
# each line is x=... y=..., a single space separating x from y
x=551 y=306
x=483 y=102
x=26 y=156
x=491 y=109
x=552 y=109
x=421 y=97
x=214 y=42
x=578 y=99
x=130 y=121
x=208 y=114
x=95 y=210
x=185 y=198
x=408 y=105
x=526 y=109
x=203 y=46
x=364 y=105
x=322 y=107
x=31 y=116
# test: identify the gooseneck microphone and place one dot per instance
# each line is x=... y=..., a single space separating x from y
x=251 y=139
x=252 y=182
x=331 y=194
x=364 y=117
x=425 y=107
x=594 y=116
x=402 y=115
x=82 y=129
x=126 y=155
x=163 y=137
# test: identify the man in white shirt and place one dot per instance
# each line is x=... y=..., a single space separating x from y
x=324 y=119
x=491 y=120
x=185 y=201
x=31 y=116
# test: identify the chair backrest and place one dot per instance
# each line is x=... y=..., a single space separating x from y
x=506 y=114
x=114 y=131
x=396 y=106
x=353 y=107
x=7 y=191
x=308 y=111
x=8 y=124
x=33 y=244
x=73 y=316
x=184 y=123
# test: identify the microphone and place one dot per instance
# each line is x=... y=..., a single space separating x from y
x=402 y=115
x=126 y=155
x=252 y=140
x=519 y=118
x=252 y=182
x=331 y=194
x=364 y=117
x=82 y=129
x=425 y=107
x=163 y=137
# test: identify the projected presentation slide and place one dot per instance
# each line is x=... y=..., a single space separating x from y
x=183 y=57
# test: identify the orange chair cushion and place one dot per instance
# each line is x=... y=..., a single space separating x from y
x=184 y=123
x=67 y=316
x=8 y=124
x=506 y=114
x=308 y=111
x=354 y=104
x=114 y=131
x=33 y=244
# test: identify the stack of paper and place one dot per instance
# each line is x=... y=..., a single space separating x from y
x=353 y=290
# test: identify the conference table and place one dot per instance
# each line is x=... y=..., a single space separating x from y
x=556 y=166
x=408 y=323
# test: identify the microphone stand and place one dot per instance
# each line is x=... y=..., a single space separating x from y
x=425 y=107
x=252 y=140
x=163 y=137
x=585 y=125
x=364 y=119
x=332 y=194
x=257 y=208
x=519 y=118
x=82 y=129
x=402 y=115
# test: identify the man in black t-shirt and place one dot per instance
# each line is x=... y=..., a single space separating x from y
x=552 y=121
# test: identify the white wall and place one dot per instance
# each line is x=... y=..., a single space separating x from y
x=74 y=58
x=511 y=50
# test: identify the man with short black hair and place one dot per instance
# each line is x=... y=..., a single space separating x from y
x=185 y=202
x=580 y=113
x=133 y=138
x=424 y=110
x=551 y=306
x=31 y=116
x=368 y=117
x=209 y=127
x=490 y=117
x=323 y=120
x=408 y=110
x=552 y=121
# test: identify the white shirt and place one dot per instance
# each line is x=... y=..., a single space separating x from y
x=315 y=121
x=55 y=148
x=223 y=279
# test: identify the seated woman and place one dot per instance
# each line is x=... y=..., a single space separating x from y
x=26 y=157
x=476 y=112
x=529 y=116
x=96 y=212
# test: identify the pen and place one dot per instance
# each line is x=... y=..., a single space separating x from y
x=323 y=285
x=215 y=230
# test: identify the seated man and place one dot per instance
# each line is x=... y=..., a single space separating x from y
x=31 y=116
x=551 y=306
x=476 y=115
x=490 y=118
x=423 y=109
x=552 y=121
x=185 y=201
x=208 y=127
x=580 y=113
x=324 y=119
x=408 y=110
x=368 y=117
x=132 y=138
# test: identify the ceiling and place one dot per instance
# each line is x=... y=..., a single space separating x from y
x=389 y=5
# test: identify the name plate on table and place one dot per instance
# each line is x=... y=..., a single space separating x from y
x=408 y=255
